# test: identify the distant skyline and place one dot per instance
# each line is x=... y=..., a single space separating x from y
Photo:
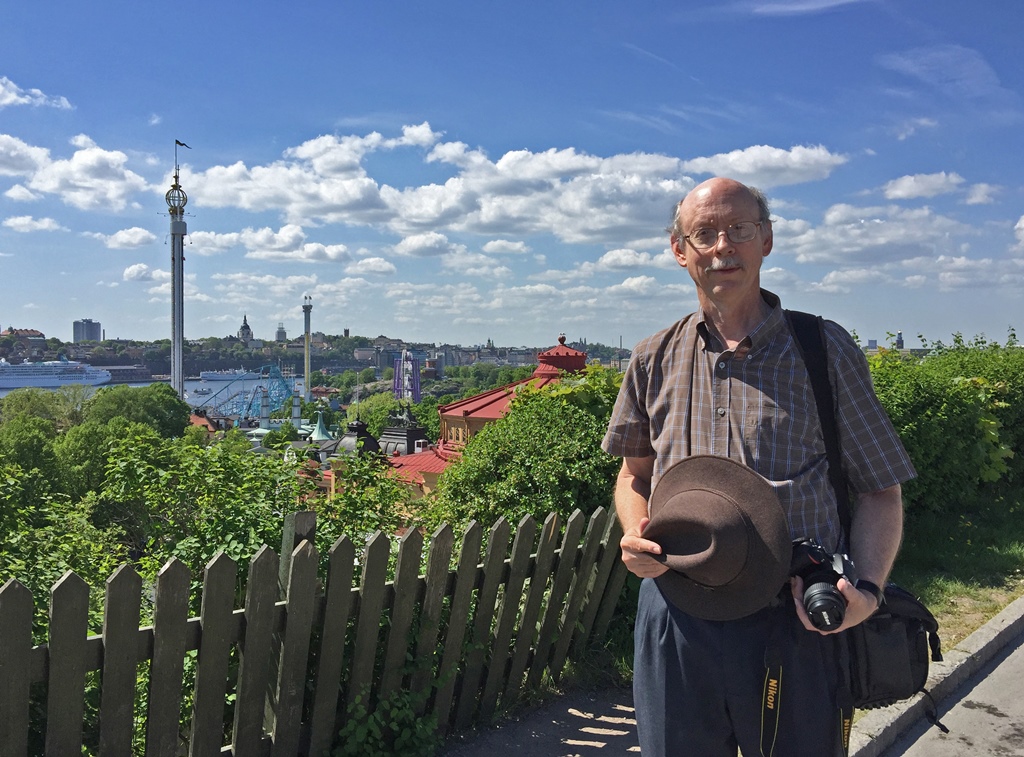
x=454 y=172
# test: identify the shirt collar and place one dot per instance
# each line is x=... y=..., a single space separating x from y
x=762 y=334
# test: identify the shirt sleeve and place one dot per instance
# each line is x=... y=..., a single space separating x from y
x=873 y=455
x=629 y=430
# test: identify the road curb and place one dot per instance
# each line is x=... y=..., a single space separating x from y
x=879 y=729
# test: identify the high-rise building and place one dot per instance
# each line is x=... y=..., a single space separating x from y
x=282 y=335
x=87 y=330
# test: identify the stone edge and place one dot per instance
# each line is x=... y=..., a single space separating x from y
x=879 y=729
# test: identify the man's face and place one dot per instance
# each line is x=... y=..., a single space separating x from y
x=728 y=271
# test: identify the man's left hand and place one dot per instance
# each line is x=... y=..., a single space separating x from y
x=860 y=605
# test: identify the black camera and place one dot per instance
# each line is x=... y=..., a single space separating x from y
x=821 y=571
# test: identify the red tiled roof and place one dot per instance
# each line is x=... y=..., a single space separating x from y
x=490 y=404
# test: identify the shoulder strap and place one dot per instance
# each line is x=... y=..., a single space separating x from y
x=809 y=332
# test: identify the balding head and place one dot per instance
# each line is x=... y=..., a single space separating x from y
x=722 y=187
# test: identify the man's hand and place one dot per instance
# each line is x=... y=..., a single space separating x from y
x=860 y=605
x=636 y=552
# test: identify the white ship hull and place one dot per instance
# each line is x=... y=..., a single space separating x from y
x=51 y=374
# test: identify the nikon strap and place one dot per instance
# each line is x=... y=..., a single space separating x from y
x=809 y=333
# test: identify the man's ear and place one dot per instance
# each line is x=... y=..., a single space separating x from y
x=679 y=251
x=769 y=239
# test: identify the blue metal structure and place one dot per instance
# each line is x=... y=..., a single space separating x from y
x=239 y=398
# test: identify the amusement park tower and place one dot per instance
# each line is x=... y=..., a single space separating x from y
x=307 y=308
x=176 y=201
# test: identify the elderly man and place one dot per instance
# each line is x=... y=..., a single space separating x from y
x=728 y=380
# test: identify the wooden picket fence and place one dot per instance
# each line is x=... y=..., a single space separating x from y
x=480 y=625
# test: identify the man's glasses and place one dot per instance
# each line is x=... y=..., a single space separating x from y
x=706 y=238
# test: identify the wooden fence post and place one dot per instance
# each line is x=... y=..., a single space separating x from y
x=169 y=618
x=65 y=684
x=15 y=645
x=120 y=634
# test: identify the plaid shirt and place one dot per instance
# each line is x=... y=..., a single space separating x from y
x=684 y=394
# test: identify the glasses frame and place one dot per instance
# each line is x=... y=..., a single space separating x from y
x=718 y=234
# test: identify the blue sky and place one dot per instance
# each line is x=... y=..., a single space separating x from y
x=464 y=171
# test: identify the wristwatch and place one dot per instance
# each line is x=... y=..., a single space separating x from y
x=863 y=585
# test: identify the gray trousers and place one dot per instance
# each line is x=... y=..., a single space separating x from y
x=700 y=687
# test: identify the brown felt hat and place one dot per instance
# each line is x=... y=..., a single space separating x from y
x=724 y=535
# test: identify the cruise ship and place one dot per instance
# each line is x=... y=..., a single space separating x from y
x=50 y=374
x=235 y=375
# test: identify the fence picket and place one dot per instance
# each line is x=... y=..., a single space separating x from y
x=559 y=588
x=16 y=643
x=170 y=617
x=405 y=597
x=608 y=553
x=337 y=608
x=458 y=621
x=527 y=633
x=295 y=649
x=471 y=649
x=371 y=600
x=207 y=734
x=254 y=651
x=434 y=592
x=519 y=566
x=480 y=642
x=578 y=592
x=65 y=690
x=120 y=630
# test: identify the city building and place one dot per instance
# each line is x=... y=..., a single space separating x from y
x=245 y=332
x=87 y=330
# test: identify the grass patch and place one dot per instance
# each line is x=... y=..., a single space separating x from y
x=969 y=567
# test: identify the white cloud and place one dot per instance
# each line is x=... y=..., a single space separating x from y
x=1018 y=232
x=981 y=194
x=371 y=265
x=137 y=272
x=424 y=245
x=910 y=127
x=11 y=94
x=797 y=7
x=19 y=193
x=922 y=185
x=125 y=239
x=26 y=224
x=852 y=235
x=311 y=252
x=92 y=179
x=505 y=247
x=18 y=158
x=766 y=166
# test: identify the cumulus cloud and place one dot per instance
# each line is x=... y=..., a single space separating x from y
x=910 y=127
x=18 y=158
x=310 y=252
x=505 y=247
x=11 y=94
x=424 y=245
x=26 y=224
x=371 y=265
x=19 y=193
x=922 y=185
x=766 y=166
x=981 y=194
x=1018 y=232
x=138 y=272
x=126 y=239
x=850 y=233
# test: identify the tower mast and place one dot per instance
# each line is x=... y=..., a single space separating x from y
x=176 y=201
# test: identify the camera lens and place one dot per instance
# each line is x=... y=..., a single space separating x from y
x=825 y=605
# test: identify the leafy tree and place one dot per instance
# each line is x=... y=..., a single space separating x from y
x=367 y=375
x=388 y=374
x=374 y=412
x=156 y=405
x=30 y=401
x=27 y=441
x=281 y=436
x=543 y=456
x=81 y=454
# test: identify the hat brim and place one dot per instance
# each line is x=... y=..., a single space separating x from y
x=769 y=547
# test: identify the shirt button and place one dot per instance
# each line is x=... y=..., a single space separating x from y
x=721 y=365
x=721 y=411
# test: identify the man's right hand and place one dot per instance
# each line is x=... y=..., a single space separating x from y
x=637 y=551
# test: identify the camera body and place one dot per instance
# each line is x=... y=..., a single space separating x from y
x=821 y=571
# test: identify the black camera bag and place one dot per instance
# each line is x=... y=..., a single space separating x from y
x=888 y=653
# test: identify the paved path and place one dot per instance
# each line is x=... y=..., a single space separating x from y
x=984 y=716
x=979 y=687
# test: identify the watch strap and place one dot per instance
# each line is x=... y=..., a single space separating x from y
x=864 y=585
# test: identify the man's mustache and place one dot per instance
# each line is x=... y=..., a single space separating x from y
x=722 y=264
